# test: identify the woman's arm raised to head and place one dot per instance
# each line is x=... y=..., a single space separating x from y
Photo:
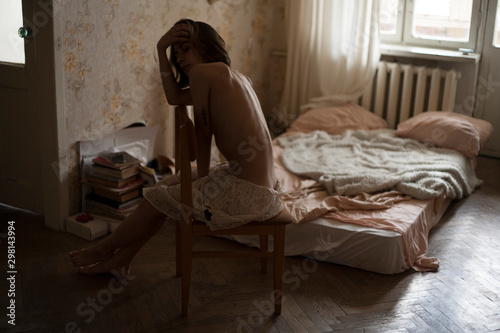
x=175 y=95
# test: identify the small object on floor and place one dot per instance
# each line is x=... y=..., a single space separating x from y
x=90 y=229
x=84 y=218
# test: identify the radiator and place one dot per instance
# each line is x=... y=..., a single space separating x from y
x=399 y=91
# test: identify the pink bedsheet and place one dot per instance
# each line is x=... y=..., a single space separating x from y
x=306 y=200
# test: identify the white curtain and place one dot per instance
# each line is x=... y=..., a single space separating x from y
x=333 y=51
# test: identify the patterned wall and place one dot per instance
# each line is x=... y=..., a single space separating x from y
x=110 y=68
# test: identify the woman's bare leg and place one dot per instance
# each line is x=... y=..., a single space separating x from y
x=118 y=263
x=131 y=234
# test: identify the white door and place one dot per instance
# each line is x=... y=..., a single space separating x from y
x=32 y=134
x=488 y=91
x=20 y=153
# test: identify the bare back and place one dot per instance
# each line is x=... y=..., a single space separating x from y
x=236 y=121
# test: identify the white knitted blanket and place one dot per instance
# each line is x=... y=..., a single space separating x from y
x=378 y=160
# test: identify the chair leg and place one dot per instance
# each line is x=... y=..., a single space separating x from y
x=186 y=258
x=263 y=248
x=177 y=250
x=186 y=282
x=279 y=266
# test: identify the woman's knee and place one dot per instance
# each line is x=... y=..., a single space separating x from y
x=146 y=209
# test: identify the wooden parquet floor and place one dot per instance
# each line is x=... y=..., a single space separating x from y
x=233 y=296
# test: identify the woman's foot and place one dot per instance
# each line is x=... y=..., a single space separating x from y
x=117 y=264
x=85 y=257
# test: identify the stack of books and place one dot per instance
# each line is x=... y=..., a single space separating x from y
x=116 y=185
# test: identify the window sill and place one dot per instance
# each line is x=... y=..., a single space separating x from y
x=429 y=53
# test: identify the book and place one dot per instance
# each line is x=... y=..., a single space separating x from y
x=109 y=208
x=148 y=175
x=137 y=183
x=92 y=208
x=116 y=185
x=120 y=194
x=110 y=181
x=116 y=160
x=112 y=203
x=115 y=173
x=116 y=196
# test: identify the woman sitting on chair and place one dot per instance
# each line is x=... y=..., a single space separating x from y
x=225 y=107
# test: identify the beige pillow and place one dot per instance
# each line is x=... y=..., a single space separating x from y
x=448 y=130
x=337 y=120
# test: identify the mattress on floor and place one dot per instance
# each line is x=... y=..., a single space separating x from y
x=373 y=249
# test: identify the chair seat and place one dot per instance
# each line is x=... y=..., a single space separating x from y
x=284 y=217
x=200 y=228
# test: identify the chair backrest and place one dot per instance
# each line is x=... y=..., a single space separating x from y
x=185 y=153
x=182 y=119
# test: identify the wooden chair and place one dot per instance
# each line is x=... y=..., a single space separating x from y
x=187 y=227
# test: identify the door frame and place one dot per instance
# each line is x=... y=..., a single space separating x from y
x=52 y=116
x=42 y=77
x=488 y=85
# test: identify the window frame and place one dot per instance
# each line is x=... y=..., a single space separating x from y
x=398 y=36
x=404 y=36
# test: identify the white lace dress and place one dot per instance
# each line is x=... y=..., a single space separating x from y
x=220 y=199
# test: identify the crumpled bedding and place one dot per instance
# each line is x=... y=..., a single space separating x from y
x=309 y=198
x=378 y=160
x=413 y=219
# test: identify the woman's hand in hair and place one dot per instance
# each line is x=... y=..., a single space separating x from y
x=179 y=33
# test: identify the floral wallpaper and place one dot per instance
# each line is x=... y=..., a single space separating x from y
x=109 y=62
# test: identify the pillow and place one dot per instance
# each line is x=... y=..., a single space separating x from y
x=448 y=130
x=337 y=119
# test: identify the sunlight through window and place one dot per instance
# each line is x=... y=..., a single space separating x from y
x=496 y=34
x=388 y=17
x=442 y=19
x=11 y=19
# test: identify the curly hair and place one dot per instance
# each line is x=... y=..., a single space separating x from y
x=207 y=43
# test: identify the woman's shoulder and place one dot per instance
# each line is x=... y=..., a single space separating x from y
x=218 y=70
x=210 y=68
x=211 y=74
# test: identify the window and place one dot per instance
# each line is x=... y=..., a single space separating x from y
x=391 y=20
x=449 y=24
x=496 y=34
x=11 y=18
